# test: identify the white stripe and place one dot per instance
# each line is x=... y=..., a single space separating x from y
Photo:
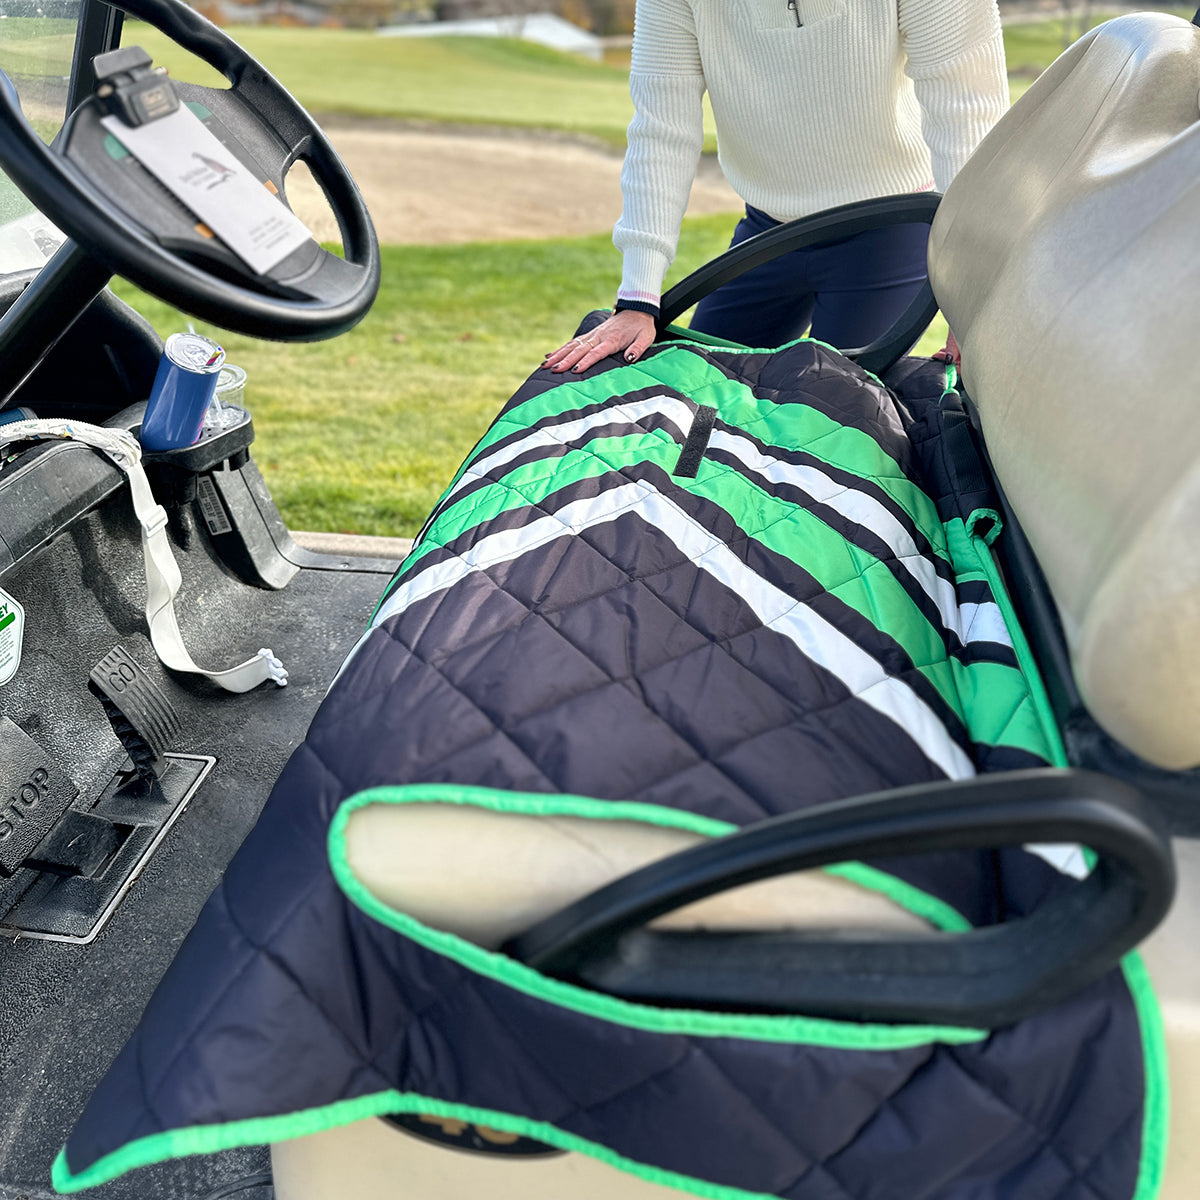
x=1065 y=858
x=969 y=622
x=816 y=638
x=984 y=623
x=868 y=512
x=559 y=435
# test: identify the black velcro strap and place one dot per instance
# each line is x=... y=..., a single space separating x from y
x=963 y=453
x=697 y=442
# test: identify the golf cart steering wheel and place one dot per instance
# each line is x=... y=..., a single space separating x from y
x=120 y=215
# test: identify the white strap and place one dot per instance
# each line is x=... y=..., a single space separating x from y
x=162 y=571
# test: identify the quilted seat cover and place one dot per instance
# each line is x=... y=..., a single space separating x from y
x=698 y=591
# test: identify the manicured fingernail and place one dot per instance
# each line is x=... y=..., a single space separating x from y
x=577 y=368
x=631 y=357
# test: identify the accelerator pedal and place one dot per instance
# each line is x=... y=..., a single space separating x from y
x=143 y=718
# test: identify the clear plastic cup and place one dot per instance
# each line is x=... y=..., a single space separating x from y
x=227 y=408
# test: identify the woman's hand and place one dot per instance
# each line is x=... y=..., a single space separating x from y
x=628 y=332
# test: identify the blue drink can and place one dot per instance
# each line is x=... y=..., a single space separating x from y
x=182 y=391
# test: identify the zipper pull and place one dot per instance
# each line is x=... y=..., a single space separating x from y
x=795 y=11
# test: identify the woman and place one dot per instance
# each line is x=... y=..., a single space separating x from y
x=817 y=103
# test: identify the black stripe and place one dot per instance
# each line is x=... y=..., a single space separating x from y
x=872 y=544
x=848 y=479
x=1006 y=758
x=512 y=518
x=528 y=392
x=573 y=414
x=809 y=374
x=632 y=639
x=975 y=591
x=776 y=568
x=785 y=574
x=697 y=442
x=556 y=449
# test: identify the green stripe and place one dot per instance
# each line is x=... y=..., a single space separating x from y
x=800 y=427
x=679 y=370
x=688 y=1022
x=840 y=567
x=528 y=485
x=998 y=708
x=789 y=426
x=1034 y=728
x=846 y=571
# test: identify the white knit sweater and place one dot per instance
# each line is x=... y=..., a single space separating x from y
x=864 y=98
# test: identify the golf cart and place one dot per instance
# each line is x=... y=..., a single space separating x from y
x=136 y=780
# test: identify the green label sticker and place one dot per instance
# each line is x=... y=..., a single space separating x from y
x=12 y=634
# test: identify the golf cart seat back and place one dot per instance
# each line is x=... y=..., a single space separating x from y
x=1063 y=256
x=488 y=876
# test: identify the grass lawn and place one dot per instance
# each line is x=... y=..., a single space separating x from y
x=361 y=434
x=1030 y=48
x=488 y=81
x=36 y=45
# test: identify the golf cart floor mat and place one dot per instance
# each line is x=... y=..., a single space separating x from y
x=606 y=616
x=69 y=1007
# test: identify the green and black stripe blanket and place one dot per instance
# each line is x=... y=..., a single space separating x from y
x=703 y=589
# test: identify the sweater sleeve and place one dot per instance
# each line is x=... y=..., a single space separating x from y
x=665 y=138
x=956 y=62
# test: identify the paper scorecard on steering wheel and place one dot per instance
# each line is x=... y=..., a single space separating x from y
x=185 y=156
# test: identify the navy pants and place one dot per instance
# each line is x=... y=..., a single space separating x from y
x=850 y=290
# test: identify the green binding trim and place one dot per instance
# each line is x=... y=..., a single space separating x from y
x=951 y=385
x=1156 y=1101
x=847 y=1035
x=1156 y=1075
x=208 y=1139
